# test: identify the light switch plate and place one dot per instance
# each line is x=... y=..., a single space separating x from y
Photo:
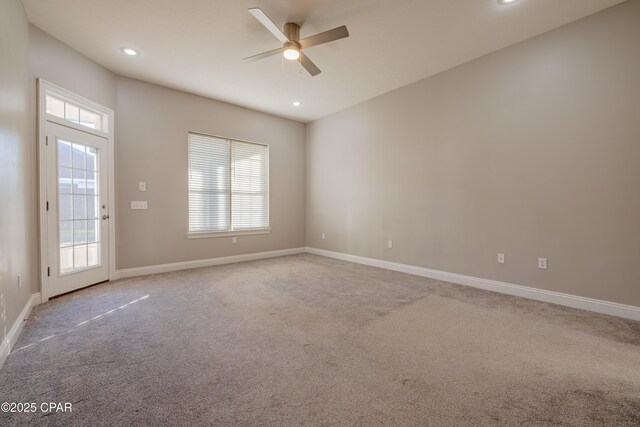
x=542 y=263
x=138 y=204
x=501 y=259
x=142 y=186
x=390 y=244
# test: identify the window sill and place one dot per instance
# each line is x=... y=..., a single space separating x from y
x=208 y=234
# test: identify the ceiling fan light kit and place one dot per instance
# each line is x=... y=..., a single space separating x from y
x=291 y=44
x=291 y=52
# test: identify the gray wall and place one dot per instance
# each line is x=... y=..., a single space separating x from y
x=151 y=128
x=61 y=65
x=151 y=145
x=18 y=226
x=533 y=151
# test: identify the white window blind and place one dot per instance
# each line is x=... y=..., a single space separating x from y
x=209 y=184
x=228 y=185
x=249 y=186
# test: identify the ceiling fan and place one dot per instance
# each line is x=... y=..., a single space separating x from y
x=292 y=45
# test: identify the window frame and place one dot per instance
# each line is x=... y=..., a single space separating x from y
x=82 y=104
x=231 y=232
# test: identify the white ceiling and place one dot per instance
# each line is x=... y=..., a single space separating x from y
x=198 y=45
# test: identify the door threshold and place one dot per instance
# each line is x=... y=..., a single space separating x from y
x=79 y=289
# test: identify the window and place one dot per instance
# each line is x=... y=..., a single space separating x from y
x=64 y=109
x=228 y=185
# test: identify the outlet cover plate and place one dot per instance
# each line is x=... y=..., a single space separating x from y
x=138 y=204
x=542 y=263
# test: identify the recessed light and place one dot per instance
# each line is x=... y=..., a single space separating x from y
x=503 y=2
x=297 y=103
x=129 y=51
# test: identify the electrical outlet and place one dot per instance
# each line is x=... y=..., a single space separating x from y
x=542 y=263
x=142 y=186
x=500 y=258
x=234 y=240
x=19 y=281
x=138 y=204
x=390 y=244
x=323 y=236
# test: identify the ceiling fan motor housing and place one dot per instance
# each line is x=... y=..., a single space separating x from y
x=292 y=31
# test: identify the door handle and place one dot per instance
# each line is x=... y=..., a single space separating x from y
x=105 y=216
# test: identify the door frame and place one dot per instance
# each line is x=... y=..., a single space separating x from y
x=43 y=87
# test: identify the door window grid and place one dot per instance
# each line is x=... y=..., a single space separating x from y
x=78 y=207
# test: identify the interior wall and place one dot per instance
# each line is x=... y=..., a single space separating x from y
x=151 y=124
x=18 y=227
x=531 y=151
x=151 y=145
x=61 y=65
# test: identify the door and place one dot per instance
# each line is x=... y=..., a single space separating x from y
x=77 y=211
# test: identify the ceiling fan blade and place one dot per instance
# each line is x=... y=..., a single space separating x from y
x=268 y=23
x=325 y=37
x=308 y=65
x=263 y=55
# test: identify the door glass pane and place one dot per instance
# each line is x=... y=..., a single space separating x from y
x=64 y=154
x=79 y=232
x=66 y=260
x=65 y=183
x=79 y=257
x=66 y=233
x=66 y=207
x=92 y=188
x=93 y=230
x=78 y=156
x=78 y=206
x=92 y=165
x=92 y=207
x=92 y=254
x=91 y=182
x=79 y=181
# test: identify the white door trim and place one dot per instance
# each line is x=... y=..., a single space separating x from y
x=44 y=87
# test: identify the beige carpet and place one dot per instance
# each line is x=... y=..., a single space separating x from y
x=306 y=340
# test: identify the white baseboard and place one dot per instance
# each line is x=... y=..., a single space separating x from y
x=598 y=306
x=185 y=265
x=11 y=338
